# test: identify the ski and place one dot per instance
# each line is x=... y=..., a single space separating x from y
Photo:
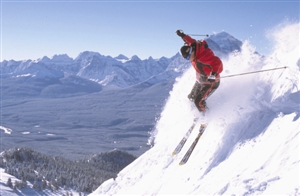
x=185 y=137
x=190 y=150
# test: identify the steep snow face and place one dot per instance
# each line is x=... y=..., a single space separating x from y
x=251 y=144
x=286 y=53
x=226 y=42
x=223 y=43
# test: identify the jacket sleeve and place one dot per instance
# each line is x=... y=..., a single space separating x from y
x=188 y=40
x=217 y=65
x=204 y=43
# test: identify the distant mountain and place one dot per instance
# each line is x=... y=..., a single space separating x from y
x=57 y=59
x=223 y=43
x=119 y=71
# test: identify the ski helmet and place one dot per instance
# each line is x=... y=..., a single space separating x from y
x=186 y=52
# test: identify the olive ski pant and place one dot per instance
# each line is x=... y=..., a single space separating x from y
x=201 y=91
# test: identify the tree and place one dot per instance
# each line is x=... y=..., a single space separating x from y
x=50 y=187
x=23 y=183
x=16 y=185
x=44 y=184
x=36 y=185
x=55 y=184
x=9 y=183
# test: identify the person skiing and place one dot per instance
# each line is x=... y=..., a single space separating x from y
x=208 y=68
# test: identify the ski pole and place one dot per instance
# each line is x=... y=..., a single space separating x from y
x=198 y=35
x=254 y=72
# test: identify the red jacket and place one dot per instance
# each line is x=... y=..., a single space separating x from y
x=208 y=61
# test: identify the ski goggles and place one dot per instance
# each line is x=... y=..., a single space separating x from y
x=190 y=53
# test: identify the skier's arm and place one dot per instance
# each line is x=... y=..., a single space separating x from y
x=186 y=38
x=204 y=44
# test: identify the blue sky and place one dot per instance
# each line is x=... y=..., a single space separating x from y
x=33 y=29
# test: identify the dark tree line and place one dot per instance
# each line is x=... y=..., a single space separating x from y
x=52 y=173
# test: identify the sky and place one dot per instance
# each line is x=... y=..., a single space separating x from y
x=34 y=29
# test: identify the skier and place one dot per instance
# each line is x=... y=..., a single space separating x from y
x=208 y=68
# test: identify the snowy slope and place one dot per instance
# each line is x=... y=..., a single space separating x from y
x=251 y=145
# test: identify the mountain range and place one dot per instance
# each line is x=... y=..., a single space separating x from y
x=119 y=71
x=100 y=102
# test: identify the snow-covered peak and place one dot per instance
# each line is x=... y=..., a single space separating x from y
x=56 y=59
x=87 y=55
x=135 y=58
x=225 y=42
x=61 y=58
x=150 y=58
x=45 y=59
x=121 y=57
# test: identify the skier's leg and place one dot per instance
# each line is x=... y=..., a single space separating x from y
x=206 y=91
x=215 y=85
x=195 y=90
x=200 y=97
x=207 y=88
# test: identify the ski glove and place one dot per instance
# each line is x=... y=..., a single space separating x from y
x=212 y=77
x=180 y=33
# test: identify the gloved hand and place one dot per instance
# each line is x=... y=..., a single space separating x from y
x=180 y=33
x=212 y=77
